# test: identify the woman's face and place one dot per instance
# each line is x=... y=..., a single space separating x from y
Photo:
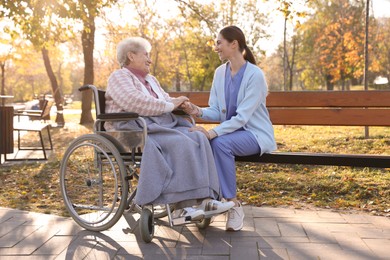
x=223 y=48
x=140 y=60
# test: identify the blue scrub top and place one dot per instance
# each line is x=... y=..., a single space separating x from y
x=232 y=85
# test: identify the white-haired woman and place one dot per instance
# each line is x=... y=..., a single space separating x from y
x=170 y=173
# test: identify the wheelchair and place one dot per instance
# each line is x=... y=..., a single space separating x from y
x=99 y=175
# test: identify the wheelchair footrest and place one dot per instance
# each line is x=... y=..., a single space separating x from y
x=183 y=221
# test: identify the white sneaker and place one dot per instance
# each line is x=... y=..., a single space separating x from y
x=213 y=207
x=235 y=220
x=189 y=213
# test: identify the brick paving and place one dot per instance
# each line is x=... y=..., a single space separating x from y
x=268 y=233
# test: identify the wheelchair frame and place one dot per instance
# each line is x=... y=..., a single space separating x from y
x=98 y=176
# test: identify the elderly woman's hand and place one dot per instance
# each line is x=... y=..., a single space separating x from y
x=191 y=109
x=209 y=134
x=178 y=101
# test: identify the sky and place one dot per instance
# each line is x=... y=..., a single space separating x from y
x=381 y=8
x=167 y=8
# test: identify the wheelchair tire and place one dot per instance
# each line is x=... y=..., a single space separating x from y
x=204 y=223
x=146 y=225
x=92 y=181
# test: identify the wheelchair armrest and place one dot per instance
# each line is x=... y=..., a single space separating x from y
x=123 y=117
x=117 y=116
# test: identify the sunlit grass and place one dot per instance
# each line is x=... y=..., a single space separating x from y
x=35 y=186
x=333 y=187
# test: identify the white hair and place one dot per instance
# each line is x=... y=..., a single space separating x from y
x=131 y=44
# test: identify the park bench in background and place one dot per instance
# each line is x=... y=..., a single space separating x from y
x=37 y=124
x=316 y=108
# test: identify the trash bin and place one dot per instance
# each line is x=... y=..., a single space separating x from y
x=6 y=129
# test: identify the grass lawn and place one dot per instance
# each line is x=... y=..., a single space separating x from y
x=35 y=186
x=300 y=186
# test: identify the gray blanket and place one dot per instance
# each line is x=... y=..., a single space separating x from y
x=176 y=164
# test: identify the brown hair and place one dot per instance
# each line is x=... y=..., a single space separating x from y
x=231 y=33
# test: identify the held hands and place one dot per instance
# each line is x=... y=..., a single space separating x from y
x=177 y=102
x=191 y=109
x=194 y=110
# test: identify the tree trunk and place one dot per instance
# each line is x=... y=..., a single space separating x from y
x=2 y=65
x=366 y=61
x=203 y=83
x=285 y=55
x=177 y=85
x=87 y=39
x=291 y=65
x=365 y=76
x=54 y=86
x=329 y=83
x=231 y=11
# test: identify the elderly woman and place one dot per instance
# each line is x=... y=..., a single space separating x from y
x=177 y=165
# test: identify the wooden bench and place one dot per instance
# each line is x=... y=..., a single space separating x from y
x=317 y=108
x=37 y=127
x=37 y=123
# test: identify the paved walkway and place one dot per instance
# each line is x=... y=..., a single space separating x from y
x=269 y=233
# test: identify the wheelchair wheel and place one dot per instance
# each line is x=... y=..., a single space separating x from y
x=146 y=225
x=93 y=184
x=204 y=223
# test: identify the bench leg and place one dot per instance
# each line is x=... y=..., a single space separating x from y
x=18 y=139
x=49 y=135
x=42 y=144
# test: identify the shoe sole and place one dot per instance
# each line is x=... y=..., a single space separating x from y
x=233 y=230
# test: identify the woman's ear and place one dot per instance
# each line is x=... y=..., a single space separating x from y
x=235 y=44
x=130 y=56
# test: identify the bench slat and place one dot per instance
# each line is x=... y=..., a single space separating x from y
x=336 y=117
x=329 y=99
x=356 y=160
x=34 y=127
x=370 y=98
x=331 y=117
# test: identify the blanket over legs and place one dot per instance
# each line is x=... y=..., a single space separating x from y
x=176 y=164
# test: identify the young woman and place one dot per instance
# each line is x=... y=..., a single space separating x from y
x=238 y=101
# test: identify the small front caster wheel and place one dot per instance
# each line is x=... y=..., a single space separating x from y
x=146 y=225
x=204 y=223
